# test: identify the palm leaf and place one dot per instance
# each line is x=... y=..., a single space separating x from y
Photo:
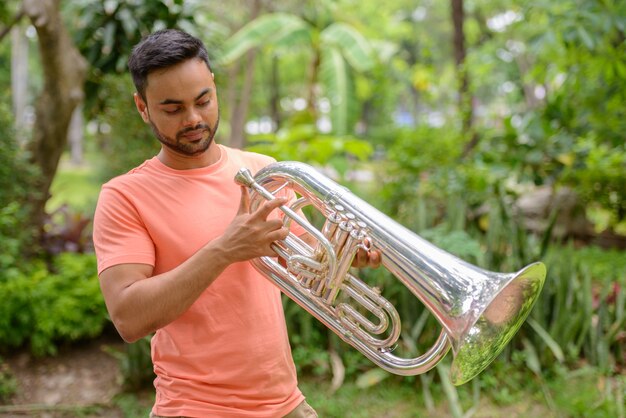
x=354 y=47
x=384 y=50
x=339 y=89
x=267 y=30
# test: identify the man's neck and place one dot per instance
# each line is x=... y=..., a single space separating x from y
x=185 y=162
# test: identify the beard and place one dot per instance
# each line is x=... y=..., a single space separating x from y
x=189 y=149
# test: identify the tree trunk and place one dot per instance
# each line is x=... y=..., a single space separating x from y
x=465 y=99
x=64 y=71
x=314 y=70
x=275 y=93
x=19 y=76
x=242 y=103
x=232 y=93
x=76 y=136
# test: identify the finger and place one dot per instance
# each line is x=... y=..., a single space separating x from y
x=267 y=208
x=278 y=235
x=360 y=259
x=244 y=203
x=374 y=258
x=273 y=225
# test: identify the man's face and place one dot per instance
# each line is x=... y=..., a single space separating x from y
x=181 y=107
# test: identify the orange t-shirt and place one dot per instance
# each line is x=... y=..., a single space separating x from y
x=228 y=355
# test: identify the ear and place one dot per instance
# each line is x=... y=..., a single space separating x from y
x=142 y=107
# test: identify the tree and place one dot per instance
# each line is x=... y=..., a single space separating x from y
x=465 y=101
x=336 y=49
x=64 y=71
x=106 y=31
x=239 y=103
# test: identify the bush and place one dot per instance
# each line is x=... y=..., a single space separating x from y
x=46 y=307
x=8 y=384
x=17 y=187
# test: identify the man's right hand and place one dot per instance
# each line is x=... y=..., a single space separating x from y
x=251 y=233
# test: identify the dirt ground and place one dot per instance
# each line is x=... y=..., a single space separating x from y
x=85 y=374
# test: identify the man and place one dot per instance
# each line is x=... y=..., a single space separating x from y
x=173 y=238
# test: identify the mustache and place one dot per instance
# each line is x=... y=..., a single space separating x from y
x=194 y=128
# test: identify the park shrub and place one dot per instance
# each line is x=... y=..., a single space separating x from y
x=8 y=383
x=46 y=306
x=17 y=189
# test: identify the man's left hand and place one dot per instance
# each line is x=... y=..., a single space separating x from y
x=367 y=258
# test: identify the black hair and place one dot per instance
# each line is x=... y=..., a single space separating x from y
x=163 y=49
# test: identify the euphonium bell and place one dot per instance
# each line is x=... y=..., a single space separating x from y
x=479 y=311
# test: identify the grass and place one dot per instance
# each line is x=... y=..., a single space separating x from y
x=584 y=393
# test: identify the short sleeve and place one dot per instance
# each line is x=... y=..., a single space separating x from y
x=119 y=235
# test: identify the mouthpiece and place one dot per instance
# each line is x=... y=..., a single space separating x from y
x=244 y=177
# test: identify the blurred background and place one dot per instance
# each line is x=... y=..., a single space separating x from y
x=494 y=129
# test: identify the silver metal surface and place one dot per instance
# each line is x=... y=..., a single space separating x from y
x=479 y=310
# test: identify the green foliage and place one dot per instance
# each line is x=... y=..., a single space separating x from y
x=45 y=307
x=310 y=360
x=456 y=242
x=599 y=176
x=391 y=400
x=12 y=245
x=338 y=50
x=17 y=189
x=131 y=406
x=136 y=364
x=572 y=136
x=588 y=393
x=8 y=11
x=422 y=169
x=125 y=141
x=8 y=384
x=303 y=142
x=268 y=29
x=106 y=31
x=582 y=308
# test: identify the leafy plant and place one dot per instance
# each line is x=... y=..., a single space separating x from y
x=8 y=384
x=302 y=141
x=66 y=231
x=583 y=314
x=135 y=364
x=46 y=308
x=17 y=187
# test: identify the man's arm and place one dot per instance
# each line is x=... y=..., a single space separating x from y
x=138 y=306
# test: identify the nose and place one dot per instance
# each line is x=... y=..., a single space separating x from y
x=192 y=117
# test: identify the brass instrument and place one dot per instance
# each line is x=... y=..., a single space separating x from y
x=479 y=310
